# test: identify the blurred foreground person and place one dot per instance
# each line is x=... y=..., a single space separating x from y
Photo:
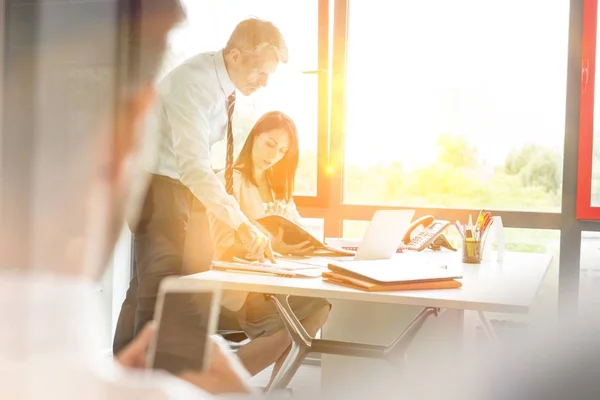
x=78 y=79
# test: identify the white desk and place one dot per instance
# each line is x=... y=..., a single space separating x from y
x=509 y=286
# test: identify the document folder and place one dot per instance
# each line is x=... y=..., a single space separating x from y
x=368 y=286
x=295 y=234
x=391 y=275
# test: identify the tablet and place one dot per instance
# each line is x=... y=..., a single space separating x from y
x=186 y=315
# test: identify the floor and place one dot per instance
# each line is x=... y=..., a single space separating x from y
x=305 y=385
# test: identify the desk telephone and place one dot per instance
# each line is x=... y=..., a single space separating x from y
x=431 y=236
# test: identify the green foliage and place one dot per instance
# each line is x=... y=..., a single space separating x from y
x=456 y=151
x=536 y=166
x=530 y=180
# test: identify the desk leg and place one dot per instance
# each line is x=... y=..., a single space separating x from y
x=487 y=327
x=344 y=377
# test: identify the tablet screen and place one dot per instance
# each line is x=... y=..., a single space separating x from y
x=183 y=331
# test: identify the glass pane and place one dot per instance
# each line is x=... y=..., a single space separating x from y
x=440 y=116
x=595 y=197
x=589 y=283
x=207 y=28
x=316 y=226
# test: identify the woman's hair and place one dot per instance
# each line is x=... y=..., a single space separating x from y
x=281 y=175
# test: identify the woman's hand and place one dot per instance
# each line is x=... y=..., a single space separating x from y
x=300 y=249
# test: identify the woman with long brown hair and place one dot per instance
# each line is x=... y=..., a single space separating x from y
x=264 y=175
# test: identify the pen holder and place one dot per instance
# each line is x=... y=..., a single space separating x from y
x=472 y=251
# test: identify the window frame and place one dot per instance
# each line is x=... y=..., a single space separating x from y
x=585 y=210
x=322 y=197
x=331 y=175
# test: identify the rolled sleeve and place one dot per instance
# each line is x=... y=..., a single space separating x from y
x=185 y=105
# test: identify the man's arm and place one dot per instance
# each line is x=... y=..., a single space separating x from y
x=185 y=107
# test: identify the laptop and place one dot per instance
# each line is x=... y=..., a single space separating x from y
x=383 y=236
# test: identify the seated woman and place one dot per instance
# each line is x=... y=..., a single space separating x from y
x=264 y=175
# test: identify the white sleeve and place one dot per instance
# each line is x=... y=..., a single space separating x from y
x=186 y=104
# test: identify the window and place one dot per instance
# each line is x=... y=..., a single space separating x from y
x=517 y=239
x=589 y=282
x=456 y=104
x=588 y=184
x=315 y=226
x=294 y=87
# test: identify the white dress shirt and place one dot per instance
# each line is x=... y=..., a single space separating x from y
x=252 y=204
x=49 y=346
x=190 y=116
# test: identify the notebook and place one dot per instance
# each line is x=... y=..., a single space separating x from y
x=295 y=234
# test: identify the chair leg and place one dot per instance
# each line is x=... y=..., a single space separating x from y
x=290 y=366
x=301 y=343
x=290 y=321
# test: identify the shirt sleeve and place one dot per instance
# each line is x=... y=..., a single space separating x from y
x=186 y=105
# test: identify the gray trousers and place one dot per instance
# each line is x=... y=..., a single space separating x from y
x=171 y=238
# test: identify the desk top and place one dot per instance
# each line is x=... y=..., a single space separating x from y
x=507 y=286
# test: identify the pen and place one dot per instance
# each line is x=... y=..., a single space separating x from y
x=459 y=228
x=469 y=228
x=480 y=218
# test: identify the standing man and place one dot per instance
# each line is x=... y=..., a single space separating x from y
x=194 y=110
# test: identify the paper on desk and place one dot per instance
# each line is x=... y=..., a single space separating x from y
x=268 y=268
x=287 y=263
x=306 y=262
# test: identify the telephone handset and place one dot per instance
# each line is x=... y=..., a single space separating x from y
x=431 y=236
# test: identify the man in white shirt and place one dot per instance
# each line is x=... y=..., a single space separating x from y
x=78 y=78
x=193 y=112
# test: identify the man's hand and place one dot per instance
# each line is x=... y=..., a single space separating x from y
x=134 y=355
x=299 y=249
x=256 y=242
x=224 y=372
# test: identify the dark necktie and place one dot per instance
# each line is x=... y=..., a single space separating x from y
x=229 y=159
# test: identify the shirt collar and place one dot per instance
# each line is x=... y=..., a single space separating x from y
x=224 y=79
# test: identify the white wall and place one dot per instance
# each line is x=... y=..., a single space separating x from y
x=114 y=284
